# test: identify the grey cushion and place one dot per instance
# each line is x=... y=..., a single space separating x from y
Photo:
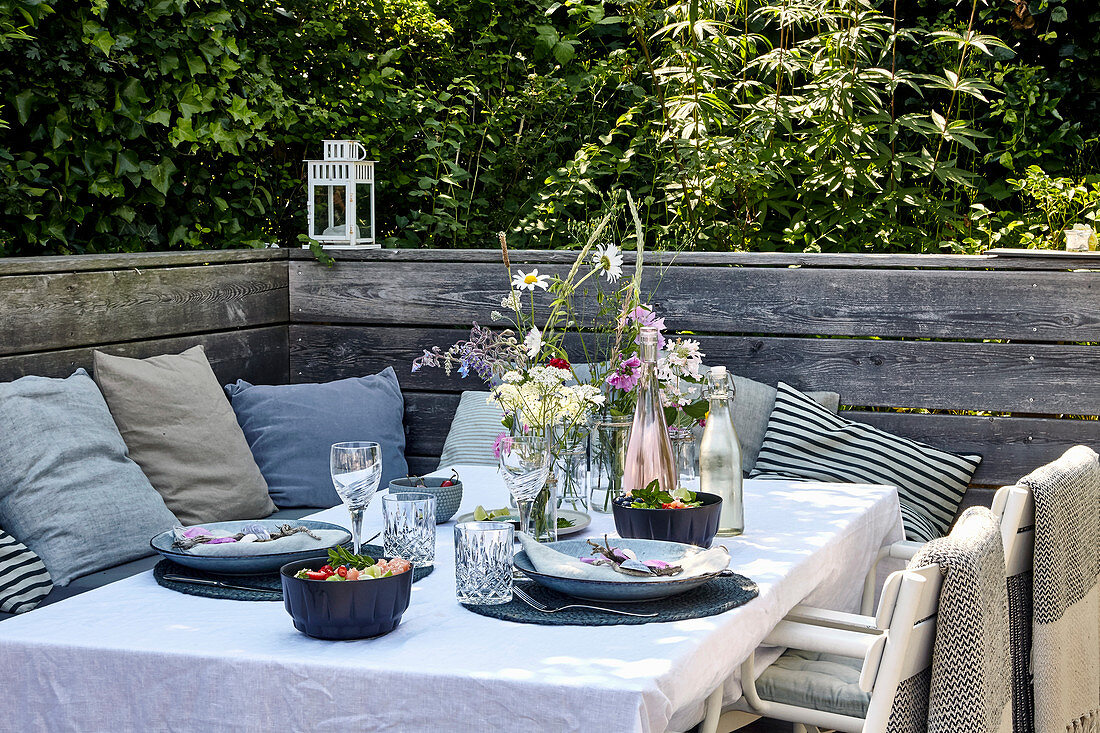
x=181 y=430
x=68 y=491
x=474 y=429
x=827 y=682
x=125 y=570
x=752 y=405
x=291 y=428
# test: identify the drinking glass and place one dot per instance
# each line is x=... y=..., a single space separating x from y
x=356 y=469
x=525 y=466
x=410 y=527
x=483 y=563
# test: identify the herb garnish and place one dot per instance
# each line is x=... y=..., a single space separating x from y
x=654 y=497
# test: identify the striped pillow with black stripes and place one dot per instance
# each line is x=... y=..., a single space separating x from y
x=806 y=441
x=24 y=580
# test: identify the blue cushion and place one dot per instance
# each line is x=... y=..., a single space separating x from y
x=827 y=682
x=291 y=428
x=68 y=490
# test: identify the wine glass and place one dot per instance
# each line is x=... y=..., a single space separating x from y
x=356 y=469
x=524 y=465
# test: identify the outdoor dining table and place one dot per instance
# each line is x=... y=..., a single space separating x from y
x=136 y=656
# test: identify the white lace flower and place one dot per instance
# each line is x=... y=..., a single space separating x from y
x=530 y=280
x=512 y=377
x=609 y=258
x=510 y=301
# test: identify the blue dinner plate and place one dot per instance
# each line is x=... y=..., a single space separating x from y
x=252 y=564
x=628 y=589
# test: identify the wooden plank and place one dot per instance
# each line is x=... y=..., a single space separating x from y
x=988 y=261
x=946 y=375
x=258 y=355
x=1010 y=447
x=63 y=310
x=135 y=260
x=1031 y=306
x=428 y=418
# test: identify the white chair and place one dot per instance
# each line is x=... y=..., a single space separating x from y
x=872 y=654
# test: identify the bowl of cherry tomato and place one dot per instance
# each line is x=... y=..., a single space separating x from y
x=447 y=491
x=353 y=599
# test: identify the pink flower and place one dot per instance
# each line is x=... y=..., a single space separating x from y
x=502 y=444
x=643 y=315
x=625 y=376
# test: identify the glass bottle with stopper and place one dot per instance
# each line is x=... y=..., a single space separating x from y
x=720 y=455
x=649 y=450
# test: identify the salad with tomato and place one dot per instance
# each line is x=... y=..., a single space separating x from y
x=344 y=565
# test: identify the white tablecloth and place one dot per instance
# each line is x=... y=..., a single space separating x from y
x=133 y=656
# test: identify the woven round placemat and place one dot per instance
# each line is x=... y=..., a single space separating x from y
x=266 y=587
x=717 y=596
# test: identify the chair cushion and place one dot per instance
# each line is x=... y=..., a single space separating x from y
x=68 y=491
x=805 y=441
x=180 y=429
x=474 y=429
x=24 y=580
x=827 y=682
x=291 y=429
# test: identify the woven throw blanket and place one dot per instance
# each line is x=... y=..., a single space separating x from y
x=969 y=685
x=1066 y=593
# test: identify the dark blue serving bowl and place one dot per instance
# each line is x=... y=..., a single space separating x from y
x=693 y=526
x=355 y=609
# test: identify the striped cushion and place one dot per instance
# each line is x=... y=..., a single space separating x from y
x=806 y=441
x=24 y=580
x=474 y=429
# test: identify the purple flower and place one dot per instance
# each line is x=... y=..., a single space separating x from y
x=195 y=532
x=589 y=560
x=643 y=315
x=220 y=540
x=625 y=376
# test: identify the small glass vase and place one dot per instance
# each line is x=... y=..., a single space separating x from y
x=571 y=471
x=607 y=459
x=685 y=450
x=542 y=518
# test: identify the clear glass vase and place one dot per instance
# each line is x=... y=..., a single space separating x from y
x=686 y=452
x=607 y=459
x=571 y=471
x=542 y=517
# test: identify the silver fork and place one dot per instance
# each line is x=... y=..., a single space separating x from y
x=539 y=606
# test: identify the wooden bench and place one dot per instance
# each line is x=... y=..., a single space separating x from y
x=1012 y=338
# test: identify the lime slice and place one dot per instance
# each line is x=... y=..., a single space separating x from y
x=480 y=514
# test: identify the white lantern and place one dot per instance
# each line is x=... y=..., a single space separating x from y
x=341 y=197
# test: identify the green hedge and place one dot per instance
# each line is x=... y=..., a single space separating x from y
x=171 y=124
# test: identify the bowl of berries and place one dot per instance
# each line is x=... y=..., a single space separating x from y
x=346 y=596
x=652 y=513
x=447 y=491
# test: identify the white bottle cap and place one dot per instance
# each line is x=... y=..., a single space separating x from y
x=718 y=371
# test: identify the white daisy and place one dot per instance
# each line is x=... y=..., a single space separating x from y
x=532 y=344
x=609 y=258
x=530 y=280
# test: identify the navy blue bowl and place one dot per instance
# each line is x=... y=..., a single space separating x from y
x=353 y=609
x=693 y=526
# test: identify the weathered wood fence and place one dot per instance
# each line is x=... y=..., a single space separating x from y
x=1014 y=338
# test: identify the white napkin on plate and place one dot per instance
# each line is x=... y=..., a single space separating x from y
x=298 y=542
x=551 y=562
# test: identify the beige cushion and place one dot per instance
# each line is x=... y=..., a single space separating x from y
x=180 y=428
